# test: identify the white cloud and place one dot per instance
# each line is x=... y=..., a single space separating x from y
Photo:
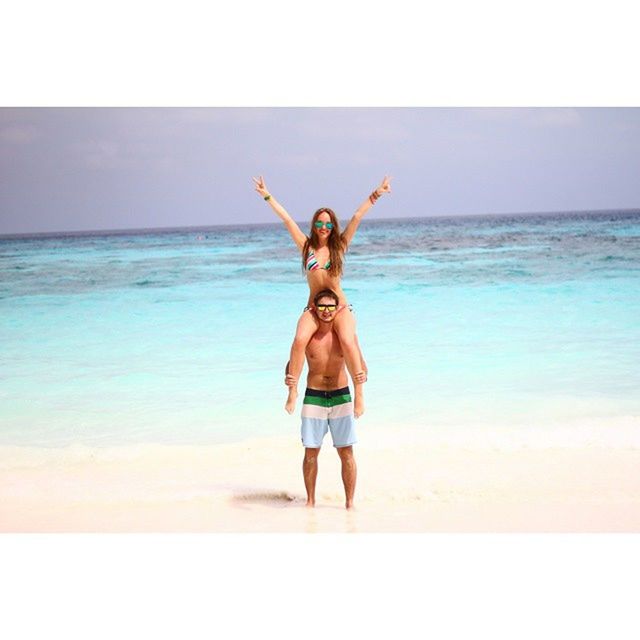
x=19 y=134
x=358 y=124
x=561 y=117
x=99 y=154
x=298 y=159
x=182 y=124
x=109 y=154
x=533 y=116
x=213 y=115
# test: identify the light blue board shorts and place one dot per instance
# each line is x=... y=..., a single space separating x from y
x=324 y=411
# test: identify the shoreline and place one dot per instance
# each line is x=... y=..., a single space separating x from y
x=405 y=484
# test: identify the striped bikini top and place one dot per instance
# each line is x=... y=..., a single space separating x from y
x=312 y=263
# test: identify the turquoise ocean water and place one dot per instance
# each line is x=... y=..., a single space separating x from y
x=181 y=335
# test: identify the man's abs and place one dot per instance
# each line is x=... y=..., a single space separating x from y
x=327 y=382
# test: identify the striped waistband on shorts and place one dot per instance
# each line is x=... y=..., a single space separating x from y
x=327 y=398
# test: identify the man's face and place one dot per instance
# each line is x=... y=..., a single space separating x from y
x=326 y=309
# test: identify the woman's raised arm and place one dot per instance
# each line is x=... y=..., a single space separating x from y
x=354 y=223
x=292 y=227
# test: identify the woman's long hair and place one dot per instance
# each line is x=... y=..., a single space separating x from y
x=336 y=243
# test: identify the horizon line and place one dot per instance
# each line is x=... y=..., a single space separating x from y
x=140 y=230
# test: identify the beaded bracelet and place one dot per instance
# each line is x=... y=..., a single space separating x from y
x=374 y=196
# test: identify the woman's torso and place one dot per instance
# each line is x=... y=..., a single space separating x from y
x=318 y=275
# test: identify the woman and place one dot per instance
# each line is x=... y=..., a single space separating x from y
x=322 y=257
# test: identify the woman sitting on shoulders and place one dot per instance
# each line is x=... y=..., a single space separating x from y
x=322 y=254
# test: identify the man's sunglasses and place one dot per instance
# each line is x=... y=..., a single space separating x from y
x=318 y=224
x=326 y=307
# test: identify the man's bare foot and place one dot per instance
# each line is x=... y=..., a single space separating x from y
x=358 y=407
x=350 y=506
x=290 y=405
x=310 y=504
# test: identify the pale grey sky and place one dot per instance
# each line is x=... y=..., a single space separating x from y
x=64 y=169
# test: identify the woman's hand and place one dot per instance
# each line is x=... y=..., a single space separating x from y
x=360 y=378
x=261 y=187
x=385 y=186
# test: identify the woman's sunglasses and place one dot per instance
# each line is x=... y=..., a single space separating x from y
x=318 y=225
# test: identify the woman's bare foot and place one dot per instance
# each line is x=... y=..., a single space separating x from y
x=310 y=503
x=358 y=406
x=290 y=405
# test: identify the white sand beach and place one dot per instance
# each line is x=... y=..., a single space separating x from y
x=578 y=482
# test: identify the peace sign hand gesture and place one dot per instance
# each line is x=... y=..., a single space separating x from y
x=385 y=186
x=261 y=187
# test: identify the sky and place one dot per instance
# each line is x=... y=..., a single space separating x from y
x=78 y=169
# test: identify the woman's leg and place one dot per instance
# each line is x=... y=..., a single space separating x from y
x=364 y=364
x=345 y=327
x=307 y=326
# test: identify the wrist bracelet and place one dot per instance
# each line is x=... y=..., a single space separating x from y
x=267 y=196
x=374 y=196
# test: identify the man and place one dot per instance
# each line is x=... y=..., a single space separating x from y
x=327 y=404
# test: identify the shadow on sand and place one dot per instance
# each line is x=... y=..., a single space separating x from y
x=267 y=498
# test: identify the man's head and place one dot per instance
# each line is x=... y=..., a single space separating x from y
x=326 y=305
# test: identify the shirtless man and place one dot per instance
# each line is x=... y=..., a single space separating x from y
x=327 y=403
